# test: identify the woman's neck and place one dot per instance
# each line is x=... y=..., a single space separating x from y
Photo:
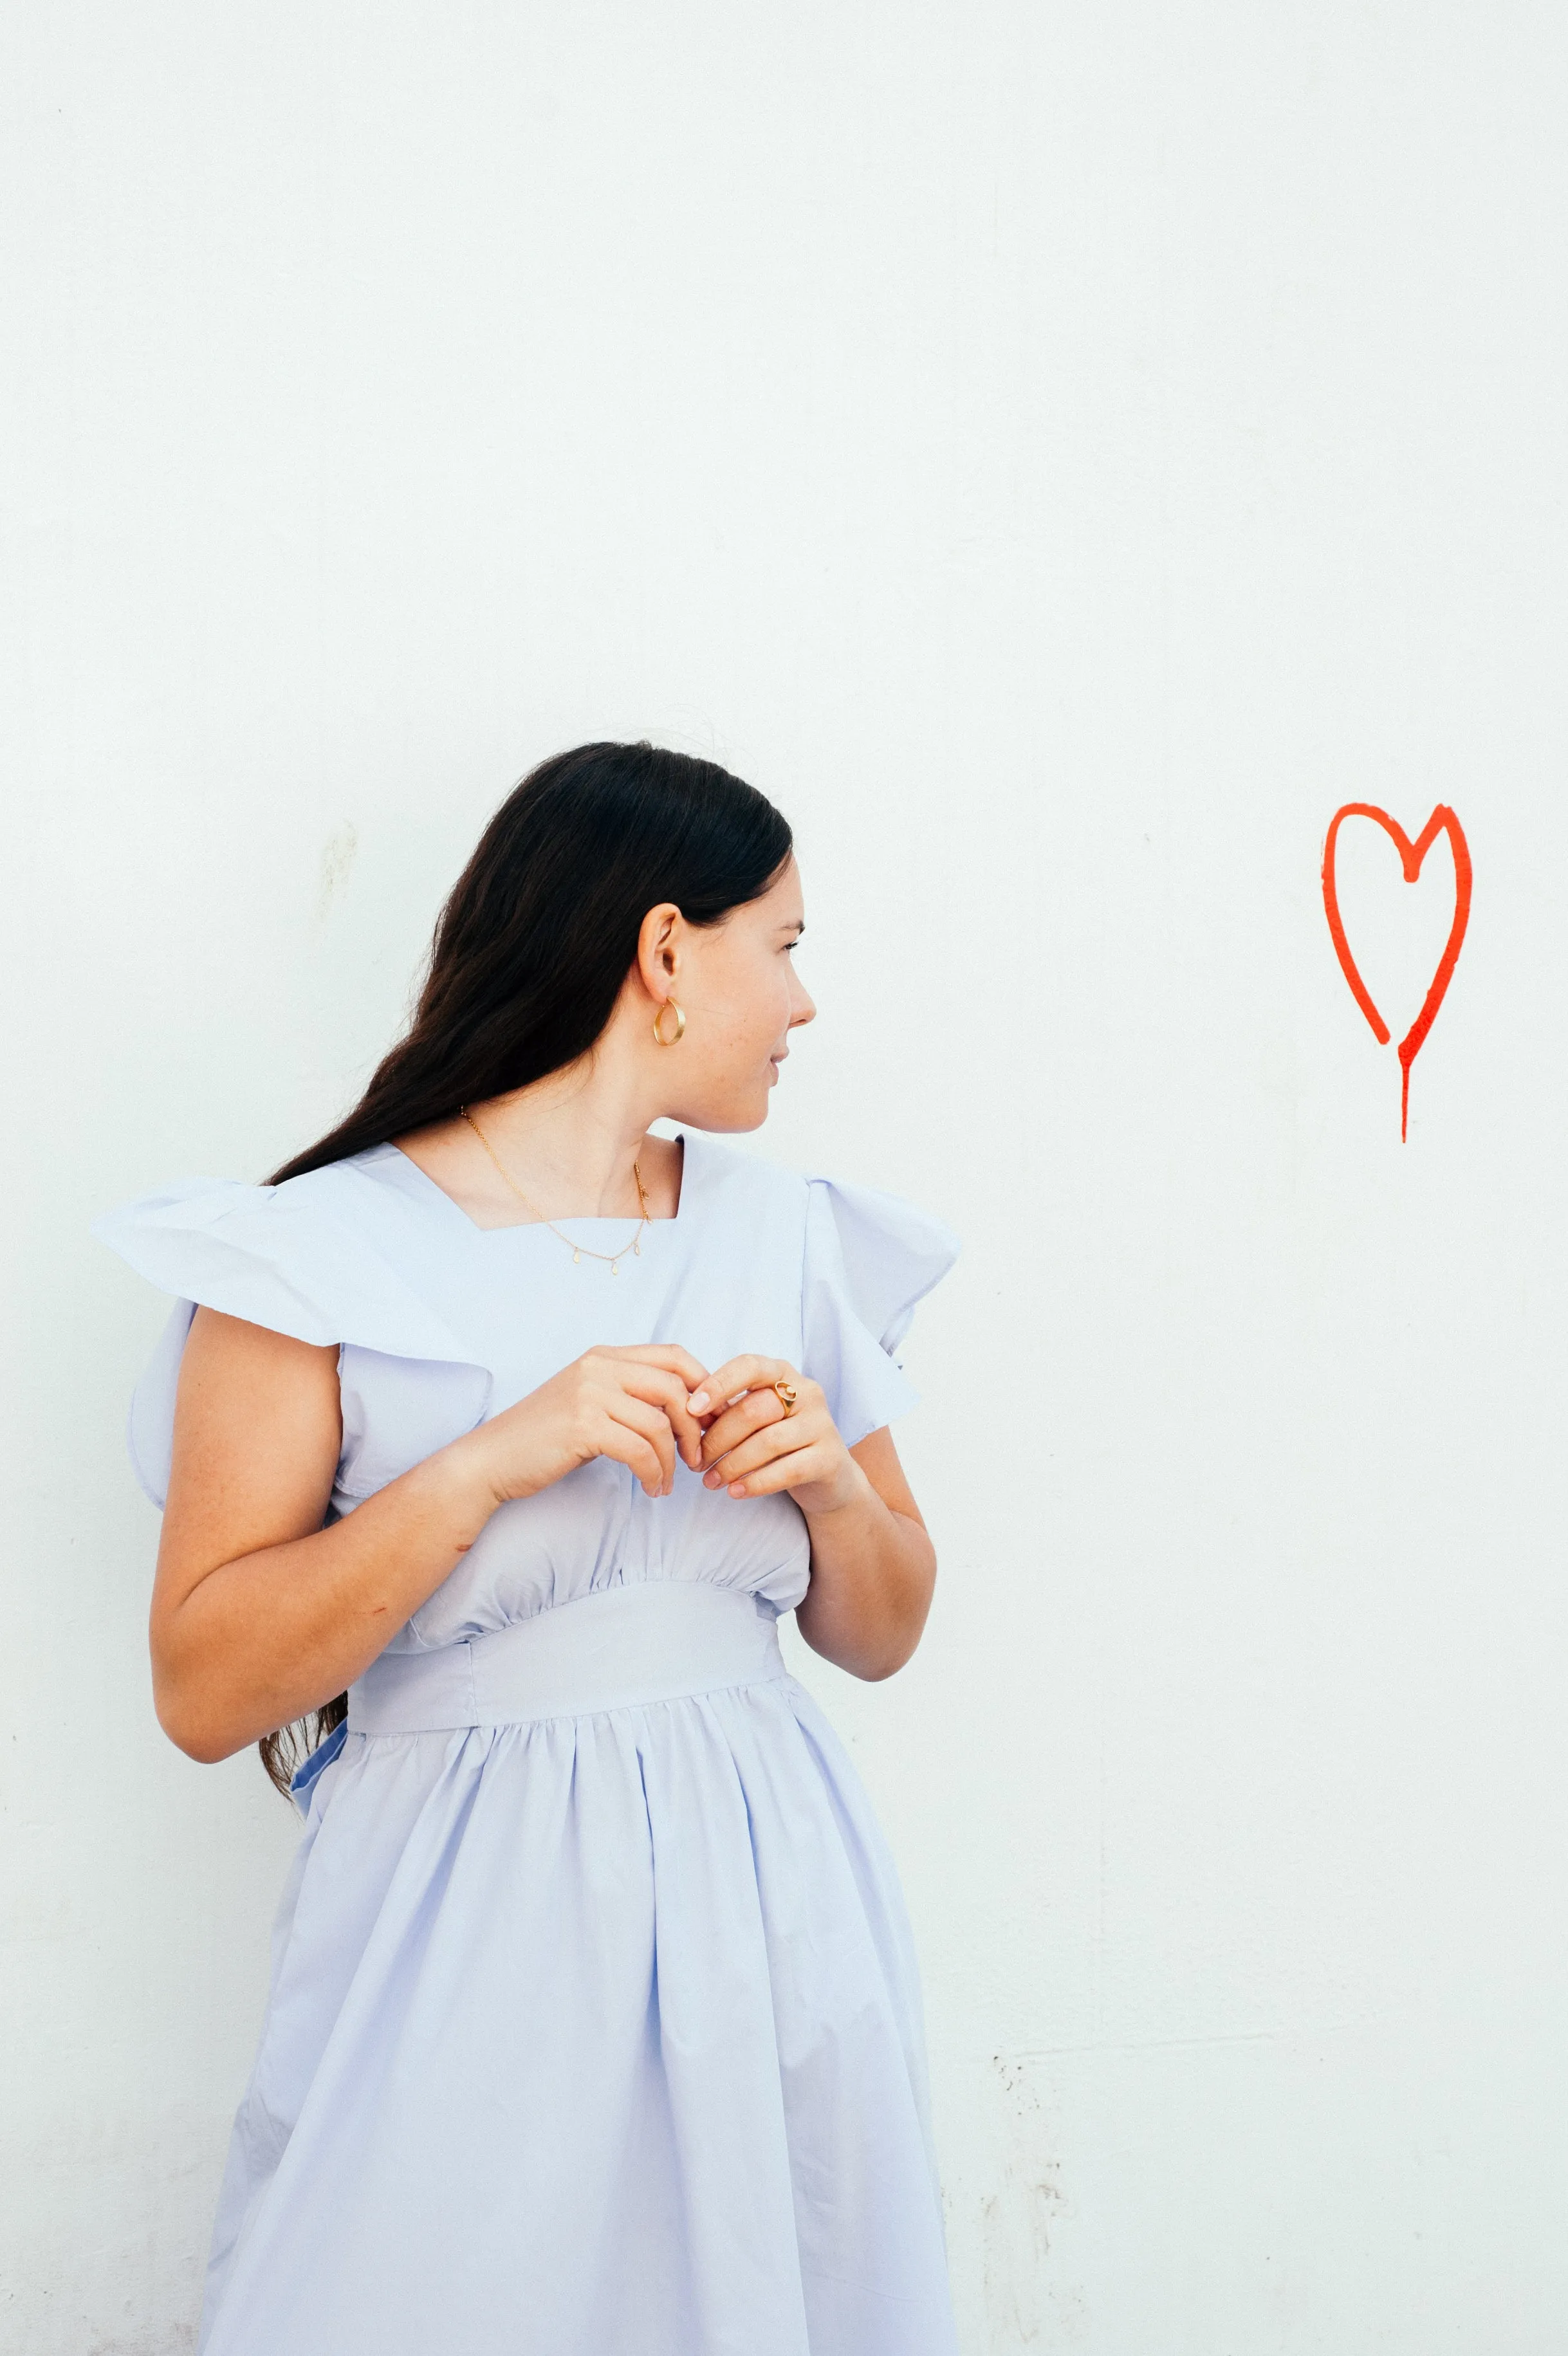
x=570 y=1142
x=567 y=1144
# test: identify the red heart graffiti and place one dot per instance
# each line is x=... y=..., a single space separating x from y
x=1410 y=856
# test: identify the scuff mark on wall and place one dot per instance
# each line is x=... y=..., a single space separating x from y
x=1017 y=2216
x=337 y=862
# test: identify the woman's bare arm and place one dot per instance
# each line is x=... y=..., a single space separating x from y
x=259 y=1614
x=874 y=1569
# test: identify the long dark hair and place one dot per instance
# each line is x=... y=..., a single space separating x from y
x=532 y=949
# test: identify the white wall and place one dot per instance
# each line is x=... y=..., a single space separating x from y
x=1062 y=453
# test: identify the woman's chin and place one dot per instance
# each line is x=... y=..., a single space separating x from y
x=726 y=1115
x=752 y=1117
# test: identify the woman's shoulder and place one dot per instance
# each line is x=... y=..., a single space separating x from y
x=716 y=1175
x=325 y=1257
x=337 y=1256
x=887 y=1250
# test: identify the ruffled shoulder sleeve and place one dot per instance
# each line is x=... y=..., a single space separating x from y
x=870 y=1258
x=292 y=1258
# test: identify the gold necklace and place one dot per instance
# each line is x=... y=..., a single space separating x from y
x=579 y=1251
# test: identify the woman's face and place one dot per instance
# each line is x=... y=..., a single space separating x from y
x=737 y=984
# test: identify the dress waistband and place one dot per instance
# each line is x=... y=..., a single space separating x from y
x=616 y=1649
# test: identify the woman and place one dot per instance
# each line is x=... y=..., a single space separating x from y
x=593 y=2027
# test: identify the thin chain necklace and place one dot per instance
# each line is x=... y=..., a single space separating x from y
x=579 y=1251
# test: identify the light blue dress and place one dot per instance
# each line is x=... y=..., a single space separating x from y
x=595 y=2026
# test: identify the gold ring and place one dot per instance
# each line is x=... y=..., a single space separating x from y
x=788 y=1395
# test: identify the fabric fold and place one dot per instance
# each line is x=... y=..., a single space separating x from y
x=293 y=1258
x=870 y=1258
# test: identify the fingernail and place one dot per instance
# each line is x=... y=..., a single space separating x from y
x=697 y=1403
x=710 y=1479
x=737 y=1488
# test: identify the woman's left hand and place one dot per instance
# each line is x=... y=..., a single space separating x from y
x=766 y=1444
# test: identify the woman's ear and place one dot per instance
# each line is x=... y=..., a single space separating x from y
x=659 y=949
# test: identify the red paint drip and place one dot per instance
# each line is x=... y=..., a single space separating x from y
x=1404 y=1092
x=1443 y=820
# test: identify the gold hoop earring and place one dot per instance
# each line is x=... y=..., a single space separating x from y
x=679 y=1025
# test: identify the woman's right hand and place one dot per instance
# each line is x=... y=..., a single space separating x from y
x=626 y=1403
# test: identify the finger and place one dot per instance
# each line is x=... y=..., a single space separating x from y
x=790 y=1469
x=755 y=1411
x=623 y=1446
x=752 y=1413
x=780 y=1438
x=653 y=1426
x=736 y=1375
x=666 y=1391
x=668 y=1355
